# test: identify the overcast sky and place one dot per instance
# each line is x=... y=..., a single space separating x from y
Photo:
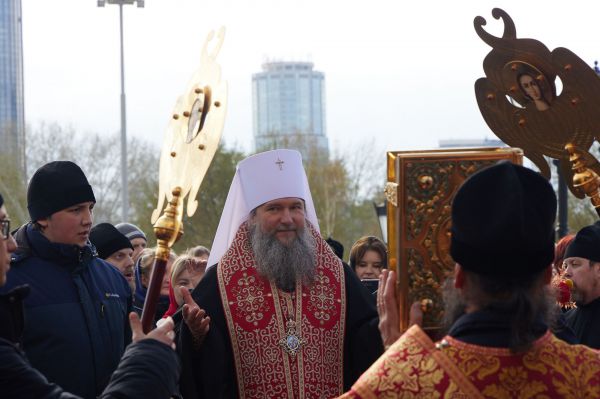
x=399 y=72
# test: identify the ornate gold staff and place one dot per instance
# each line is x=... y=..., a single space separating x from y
x=191 y=140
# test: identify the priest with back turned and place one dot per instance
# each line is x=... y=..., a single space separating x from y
x=498 y=306
x=287 y=319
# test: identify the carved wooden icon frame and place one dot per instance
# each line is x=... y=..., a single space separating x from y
x=420 y=188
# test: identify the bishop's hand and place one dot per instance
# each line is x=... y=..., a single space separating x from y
x=195 y=318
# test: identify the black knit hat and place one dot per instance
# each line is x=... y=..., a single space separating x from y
x=107 y=239
x=503 y=222
x=131 y=231
x=586 y=244
x=56 y=186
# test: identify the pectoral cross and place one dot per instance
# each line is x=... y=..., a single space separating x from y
x=280 y=163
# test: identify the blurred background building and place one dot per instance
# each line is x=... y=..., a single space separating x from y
x=12 y=119
x=466 y=143
x=288 y=100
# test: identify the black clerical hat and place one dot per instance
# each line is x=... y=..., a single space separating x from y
x=503 y=222
x=586 y=244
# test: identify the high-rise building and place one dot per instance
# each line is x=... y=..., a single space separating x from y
x=288 y=101
x=465 y=143
x=12 y=119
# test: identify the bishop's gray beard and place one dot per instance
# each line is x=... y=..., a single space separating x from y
x=284 y=264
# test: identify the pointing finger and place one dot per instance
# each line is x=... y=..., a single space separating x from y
x=187 y=297
x=136 y=327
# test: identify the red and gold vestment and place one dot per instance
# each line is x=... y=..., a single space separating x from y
x=285 y=345
x=416 y=367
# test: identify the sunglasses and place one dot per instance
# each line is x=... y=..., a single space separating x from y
x=5 y=226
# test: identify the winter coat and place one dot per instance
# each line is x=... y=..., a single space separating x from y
x=76 y=324
x=149 y=369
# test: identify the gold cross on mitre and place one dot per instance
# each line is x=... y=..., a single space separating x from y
x=279 y=163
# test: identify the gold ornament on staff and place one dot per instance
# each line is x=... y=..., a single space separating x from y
x=584 y=176
x=520 y=102
x=191 y=140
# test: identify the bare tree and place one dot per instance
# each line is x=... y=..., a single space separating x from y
x=343 y=186
x=98 y=156
x=365 y=164
x=13 y=187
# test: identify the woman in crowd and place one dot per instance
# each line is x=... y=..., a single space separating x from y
x=368 y=257
x=180 y=277
x=187 y=272
x=143 y=271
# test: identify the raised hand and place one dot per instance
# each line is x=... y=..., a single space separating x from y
x=387 y=307
x=164 y=333
x=195 y=318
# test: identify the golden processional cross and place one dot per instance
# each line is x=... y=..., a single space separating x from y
x=191 y=140
x=520 y=101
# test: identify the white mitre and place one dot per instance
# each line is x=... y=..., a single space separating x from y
x=258 y=179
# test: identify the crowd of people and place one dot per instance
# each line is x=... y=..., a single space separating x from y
x=272 y=310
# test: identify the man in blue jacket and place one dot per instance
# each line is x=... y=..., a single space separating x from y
x=149 y=368
x=76 y=326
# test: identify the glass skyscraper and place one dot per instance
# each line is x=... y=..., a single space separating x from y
x=288 y=101
x=12 y=119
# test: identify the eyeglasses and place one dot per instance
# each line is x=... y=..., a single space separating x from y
x=5 y=226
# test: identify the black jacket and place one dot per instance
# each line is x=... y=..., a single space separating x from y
x=148 y=369
x=584 y=320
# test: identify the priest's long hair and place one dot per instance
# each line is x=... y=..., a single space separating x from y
x=528 y=300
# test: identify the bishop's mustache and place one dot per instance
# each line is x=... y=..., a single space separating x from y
x=284 y=227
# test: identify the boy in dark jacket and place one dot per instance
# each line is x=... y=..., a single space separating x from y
x=76 y=326
x=149 y=368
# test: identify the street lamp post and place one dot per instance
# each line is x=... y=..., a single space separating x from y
x=124 y=185
x=563 y=211
x=381 y=211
